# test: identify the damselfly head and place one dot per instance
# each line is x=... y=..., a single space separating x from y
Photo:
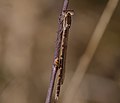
x=66 y=12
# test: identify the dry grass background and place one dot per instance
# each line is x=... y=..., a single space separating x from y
x=27 y=40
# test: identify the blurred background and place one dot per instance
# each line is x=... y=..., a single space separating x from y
x=27 y=42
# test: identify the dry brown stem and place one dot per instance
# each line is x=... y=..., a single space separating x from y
x=90 y=51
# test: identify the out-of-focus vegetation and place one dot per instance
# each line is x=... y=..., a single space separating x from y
x=27 y=40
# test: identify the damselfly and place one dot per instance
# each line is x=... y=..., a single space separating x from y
x=59 y=62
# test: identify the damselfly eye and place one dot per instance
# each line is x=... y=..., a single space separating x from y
x=71 y=12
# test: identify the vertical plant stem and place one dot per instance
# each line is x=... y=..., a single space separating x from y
x=57 y=51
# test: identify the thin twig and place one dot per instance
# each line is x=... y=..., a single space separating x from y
x=90 y=51
x=57 y=51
